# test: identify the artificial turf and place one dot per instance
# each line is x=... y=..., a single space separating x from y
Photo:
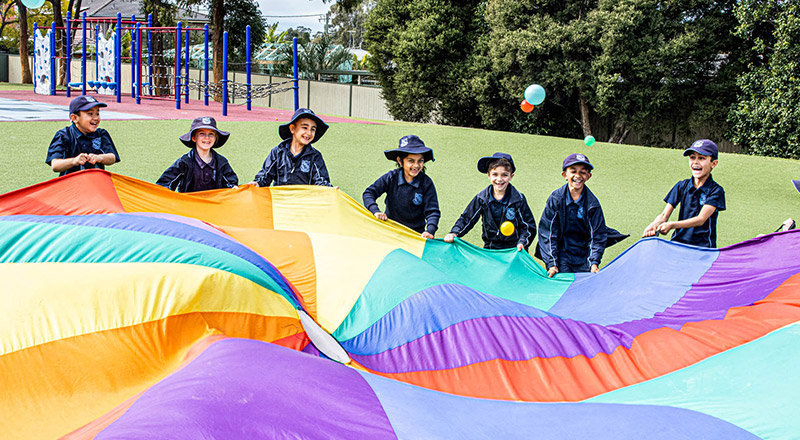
x=630 y=181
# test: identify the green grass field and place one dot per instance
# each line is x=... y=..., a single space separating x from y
x=630 y=181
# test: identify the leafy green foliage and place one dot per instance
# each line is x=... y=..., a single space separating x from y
x=634 y=64
x=313 y=56
x=766 y=118
x=238 y=15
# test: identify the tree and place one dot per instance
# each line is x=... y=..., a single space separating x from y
x=302 y=33
x=272 y=35
x=238 y=15
x=163 y=14
x=347 y=26
x=422 y=54
x=23 y=43
x=766 y=118
x=634 y=64
x=312 y=57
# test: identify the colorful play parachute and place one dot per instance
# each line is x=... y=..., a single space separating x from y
x=128 y=311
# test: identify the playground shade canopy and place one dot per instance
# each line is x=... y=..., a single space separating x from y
x=129 y=311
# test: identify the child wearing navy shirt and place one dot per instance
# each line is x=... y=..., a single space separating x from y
x=701 y=199
x=498 y=203
x=82 y=145
x=410 y=195
x=572 y=229
x=294 y=161
x=202 y=168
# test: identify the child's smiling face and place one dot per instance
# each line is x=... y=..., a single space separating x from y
x=86 y=120
x=576 y=176
x=412 y=165
x=701 y=165
x=500 y=177
x=204 y=138
x=303 y=130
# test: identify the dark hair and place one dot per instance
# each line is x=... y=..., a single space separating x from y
x=502 y=162
x=402 y=155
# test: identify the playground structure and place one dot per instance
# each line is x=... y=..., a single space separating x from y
x=157 y=70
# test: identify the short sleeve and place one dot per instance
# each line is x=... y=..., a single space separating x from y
x=107 y=145
x=674 y=195
x=58 y=147
x=716 y=198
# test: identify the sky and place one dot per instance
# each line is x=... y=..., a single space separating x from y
x=295 y=7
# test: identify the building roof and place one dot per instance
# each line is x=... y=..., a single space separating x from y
x=110 y=8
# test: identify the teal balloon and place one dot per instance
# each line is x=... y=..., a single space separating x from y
x=33 y=4
x=588 y=140
x=534 y=94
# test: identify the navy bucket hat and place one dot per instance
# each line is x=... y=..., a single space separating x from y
x=576 y=158
x=322 y=127
x=83 y=103
x=410 y=144
x=704 y=147
x=204 y=122
x=483 y=163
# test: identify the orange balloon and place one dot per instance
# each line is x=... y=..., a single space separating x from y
x=526 y=106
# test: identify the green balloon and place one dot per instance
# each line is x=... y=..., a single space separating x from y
x=588 y=140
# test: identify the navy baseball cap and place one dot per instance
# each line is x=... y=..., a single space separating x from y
x=410 y=144
x=576 y=158
x=83 y=103
x=704 y=147
x=204 y=122
x=483 y=163
x=322 y=127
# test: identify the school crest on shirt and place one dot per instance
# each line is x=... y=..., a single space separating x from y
x=579 y=214
x=305 y=166
x=96 y=143
x=417 y=199
x=511 y=214
x=702 y=198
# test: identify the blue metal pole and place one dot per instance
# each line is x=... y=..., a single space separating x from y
x=225 y=74
x=205 y=82
x=138 y=63
x=35 y=36
x=296 y=78
x=83 y=57
x=150 y=54
x=249 y=86
x=178 y=42
x=186 y=76
x=133 y=59
x=53 y=78
x=68 y=52
x=118 y=57
x=97 y=54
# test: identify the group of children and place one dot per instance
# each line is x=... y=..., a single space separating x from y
x=572 y=234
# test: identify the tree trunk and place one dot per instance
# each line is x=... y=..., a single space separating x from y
x=586 y=125
x=620 y=132
x=63 y=49
x=23 y=43
x=218 y=21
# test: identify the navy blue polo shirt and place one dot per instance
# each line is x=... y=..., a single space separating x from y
x=499 y=207
x=691 y=201
x=203 y=177
x=577 y=233
x=70 y=142
x=414 y=204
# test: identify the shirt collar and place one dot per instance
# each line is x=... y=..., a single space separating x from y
x=401 y=180
x=569 y=197
x=201 y=162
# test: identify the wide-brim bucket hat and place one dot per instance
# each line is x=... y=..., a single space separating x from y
x=483 y=163
x=204 y=122
x=322 y=127
x=410 y=144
